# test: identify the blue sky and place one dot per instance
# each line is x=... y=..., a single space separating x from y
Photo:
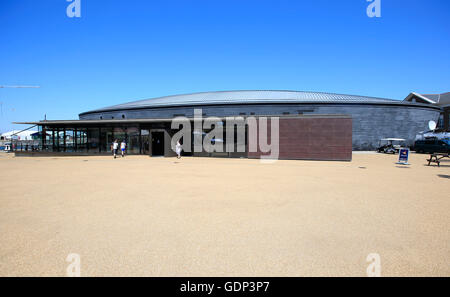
x=121 y=51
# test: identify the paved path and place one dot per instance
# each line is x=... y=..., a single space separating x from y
x=223 y=217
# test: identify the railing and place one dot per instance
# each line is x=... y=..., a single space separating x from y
x=25 y=145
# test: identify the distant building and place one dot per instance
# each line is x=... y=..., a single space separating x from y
x=20 y=135
x=440 y=100
x=23 y=140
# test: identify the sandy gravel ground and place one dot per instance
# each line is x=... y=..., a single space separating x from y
x=142 y=216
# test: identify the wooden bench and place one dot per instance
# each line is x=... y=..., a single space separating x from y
x=436 y=158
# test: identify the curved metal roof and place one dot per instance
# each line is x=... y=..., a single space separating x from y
x=246 y=97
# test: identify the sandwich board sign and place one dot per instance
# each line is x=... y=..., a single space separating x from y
x=403 y=156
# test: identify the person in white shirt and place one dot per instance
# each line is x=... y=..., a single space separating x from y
x=115 y=147
x=123 y=145
x=178 y=149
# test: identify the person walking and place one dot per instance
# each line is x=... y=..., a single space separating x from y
x=123 y=146
x=115 y=147
x=178 y=150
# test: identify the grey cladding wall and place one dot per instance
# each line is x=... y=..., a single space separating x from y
x=371 y=122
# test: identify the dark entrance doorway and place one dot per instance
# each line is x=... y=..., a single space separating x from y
x=157 y=143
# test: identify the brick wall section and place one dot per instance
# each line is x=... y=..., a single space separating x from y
x=316 y=138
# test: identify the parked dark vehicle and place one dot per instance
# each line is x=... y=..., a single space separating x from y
x=431 y=146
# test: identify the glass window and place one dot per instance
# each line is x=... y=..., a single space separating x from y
x=441 y=121
x=106 y=139
x=119 y=134
x=81 y=140
x=51 y=144
x=70 y=140
x=94 y=140
x=145 y=141
x=133 y=140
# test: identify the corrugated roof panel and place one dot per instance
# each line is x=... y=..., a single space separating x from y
x=242 y=97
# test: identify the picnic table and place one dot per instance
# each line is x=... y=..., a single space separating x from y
x=437 y=157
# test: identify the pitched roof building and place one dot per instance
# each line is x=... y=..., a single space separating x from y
x=441 y=100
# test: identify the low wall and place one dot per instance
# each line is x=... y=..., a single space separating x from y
x=56 y=154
